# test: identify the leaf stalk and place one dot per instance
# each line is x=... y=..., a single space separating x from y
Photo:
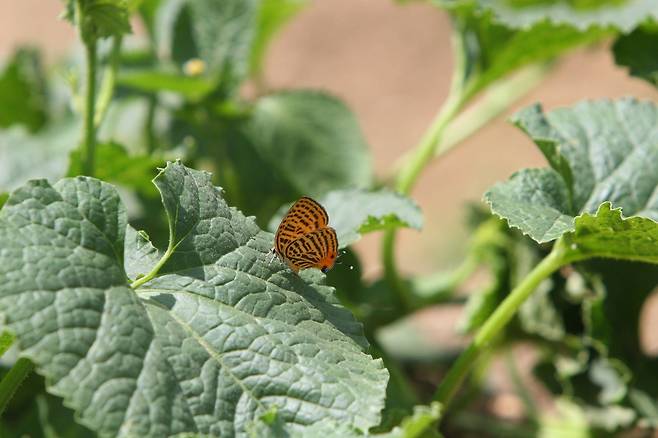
x=13 y=380
x=558 y=257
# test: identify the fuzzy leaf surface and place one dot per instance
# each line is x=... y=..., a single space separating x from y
x=217 y=337
x=600 y=152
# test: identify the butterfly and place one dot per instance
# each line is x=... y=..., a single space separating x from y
x=304 y=239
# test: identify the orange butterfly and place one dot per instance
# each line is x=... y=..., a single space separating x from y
x=303 y=239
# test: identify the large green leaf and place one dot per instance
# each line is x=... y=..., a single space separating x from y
x=23 y=98
x=192 y=88
x=490 y=50
x=312 y=140
x=421 y=424
x=639 y=52
x=355 y=212
x=599 y=151
x=214 y=336
x=624 y=15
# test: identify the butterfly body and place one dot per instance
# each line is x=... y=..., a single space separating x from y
x=304 y=239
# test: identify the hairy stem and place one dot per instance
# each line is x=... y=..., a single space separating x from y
x=89 y=137
x=497 y=321
x=13 y=379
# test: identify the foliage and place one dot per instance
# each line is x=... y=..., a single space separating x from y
x=179 y=321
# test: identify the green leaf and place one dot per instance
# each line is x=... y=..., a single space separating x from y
x=600 y=151
x=645 y=405
x=536 y=201
x=140 y=256
x=353 y=213
x=312 y=140
x=624 y=15
x=192 y=88
x=223 y=33
x=639 y=52
x=34 y=413
x=43 y=155
x=215 y=335
x=273 y=15
x=418 y=425
x=490 y=50
x=23 y=91
x=6 y=341
x=3 y=198
x=118 y=167
x=99 y=18
x=608 y=234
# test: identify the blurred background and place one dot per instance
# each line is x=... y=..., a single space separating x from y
x=391 y=64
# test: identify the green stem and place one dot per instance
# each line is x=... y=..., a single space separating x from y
x=89 y=110
x=149 y=133
x=496 y=99
x=148 y=277
x=13 y=379
x=171 y=247
x=109 y=80
x=497 y=321
x=421 y=156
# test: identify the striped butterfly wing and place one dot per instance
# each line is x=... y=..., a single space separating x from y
x=317 y=249
x=305 y=216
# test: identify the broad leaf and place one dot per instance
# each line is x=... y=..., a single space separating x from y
x=353 y=213
x=312 y=140
x=118 y=167
x=490 y=50
x=608 y=234
x=357 y=212
x=214 y=336
x=600 y=151
x=192 y=88
x=421 y=424
x=624 y=15
x=639 y=52
x=23 y=98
